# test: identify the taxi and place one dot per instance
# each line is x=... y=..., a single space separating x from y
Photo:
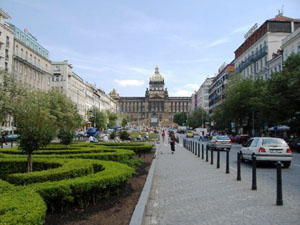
x=189 y=134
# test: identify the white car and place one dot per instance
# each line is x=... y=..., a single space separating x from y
x=267 y=149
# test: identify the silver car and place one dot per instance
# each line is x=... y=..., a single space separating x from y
x=219 y=142
x=268 y=149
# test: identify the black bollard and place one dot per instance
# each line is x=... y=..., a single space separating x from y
x=196 y=149
x=279 y=185
x=218 y=159
x=202 y=151
x=206 y=154
x=193 y=147
x=199 y=150
x=238 y=166
x=211 y=156
x=227 y=161
x=254 y=186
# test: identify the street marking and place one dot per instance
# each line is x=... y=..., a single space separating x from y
x=296 y=164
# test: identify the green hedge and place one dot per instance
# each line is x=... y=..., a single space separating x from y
x=68 y=169
x=20 y=205
x=82 y=190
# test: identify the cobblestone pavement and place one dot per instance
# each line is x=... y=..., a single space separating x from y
x=187 y=190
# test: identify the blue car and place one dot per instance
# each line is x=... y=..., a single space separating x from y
x=91 y=131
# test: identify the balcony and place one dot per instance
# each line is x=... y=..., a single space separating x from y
x=252 y=59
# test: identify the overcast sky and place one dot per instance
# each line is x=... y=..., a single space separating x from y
x=118 y=43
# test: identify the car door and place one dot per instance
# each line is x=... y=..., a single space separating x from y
x=253 y=146
x=211 y=141
x=246 y=149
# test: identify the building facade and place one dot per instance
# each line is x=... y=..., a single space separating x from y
x=218 y=86
x=31 y=65
x=203 y=94
x=6 y=43
x=291 y=44
x=252 y=56
x=156 y=108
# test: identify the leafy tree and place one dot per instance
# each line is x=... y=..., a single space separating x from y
x=112 y=119
x=124 y=121
x=97 y=117
x=11 y=94
x=35 y=123
x=124 y=135
x=180 y=118
x=197 y=118
x=66 y=135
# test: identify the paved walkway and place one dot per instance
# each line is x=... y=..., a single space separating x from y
x=187 y=190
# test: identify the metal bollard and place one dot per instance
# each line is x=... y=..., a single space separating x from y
x=227 y=161
x=198 y=150
x=279 y=185
x=206 y=154
x=193 y=147
x=202 y=151
x=254 y=186
x=218 y=159
x=211 y=156
x=238 y=166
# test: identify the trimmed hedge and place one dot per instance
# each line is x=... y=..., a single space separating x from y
x=20 y=205
x=68 y=169
x=82 y=190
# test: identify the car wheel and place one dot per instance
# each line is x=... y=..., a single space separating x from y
x=286 y=164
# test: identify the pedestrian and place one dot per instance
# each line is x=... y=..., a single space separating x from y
x=3 y=135
x=163 y=135
x=172 y=140
x=147 y=135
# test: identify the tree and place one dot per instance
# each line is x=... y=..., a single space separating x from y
x=97 y=117
x=197 y=118
x=66 y=115
x=124 y=121
x=11 y=94
x=180 y=118
x=35 y=123
x=112 y=119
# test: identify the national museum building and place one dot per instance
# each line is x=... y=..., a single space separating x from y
x=156 y=108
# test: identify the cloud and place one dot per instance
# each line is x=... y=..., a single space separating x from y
x=241 y=29
x=183 y=41
x=181 y=92
x=125 y=83
x=193 y=86
x=142 y=71
x=218 y=42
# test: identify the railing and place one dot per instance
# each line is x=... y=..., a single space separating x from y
x=253 y=58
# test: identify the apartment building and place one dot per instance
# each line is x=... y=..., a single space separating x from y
x=261 y=42
x=6 y=43
x=218 y=86
x=291 y=44
x=203 y=94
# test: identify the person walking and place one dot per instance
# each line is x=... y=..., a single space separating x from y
x=163 y=135
x=3 y=135
x=172 y=142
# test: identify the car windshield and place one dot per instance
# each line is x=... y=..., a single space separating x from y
x=223 y=138
x=273 y=142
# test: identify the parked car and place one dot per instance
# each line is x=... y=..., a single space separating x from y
x=91 y=131
x=267 y=149
x=12 y=137
x=294 y=144
x=219 y=142
x=189 y=134
x=243 y=138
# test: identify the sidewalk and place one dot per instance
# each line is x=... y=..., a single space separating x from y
x=187 y=190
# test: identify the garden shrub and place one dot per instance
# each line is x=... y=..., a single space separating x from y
x=19 y=205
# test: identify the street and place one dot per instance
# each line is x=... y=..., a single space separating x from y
x=266 y=173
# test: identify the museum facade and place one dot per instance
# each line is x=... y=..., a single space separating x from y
x=156 y=108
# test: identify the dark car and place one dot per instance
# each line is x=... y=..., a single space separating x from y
x=294 y=144
x=12 y=137
x=243 y=138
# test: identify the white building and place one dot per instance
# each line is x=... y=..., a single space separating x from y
x=203 y=94
x=252 y=56
x=291 y=44
x=6 y=43
x=219 y=85
x=275 y=64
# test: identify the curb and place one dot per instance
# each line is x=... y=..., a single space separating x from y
x=138 y=214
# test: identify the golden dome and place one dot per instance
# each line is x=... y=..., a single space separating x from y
x=156 y=77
